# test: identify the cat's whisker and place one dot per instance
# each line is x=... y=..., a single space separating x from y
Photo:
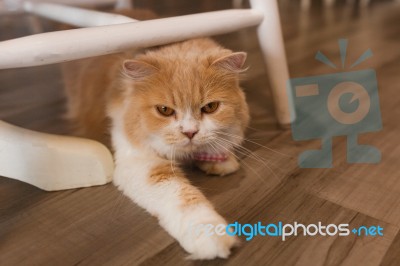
x=241 y=148
x=243 y=163
x=117 y=206
x=229 y=151
x=253 y=155
x=253 y=128
x=172 y=161
x=253 y=142
x=217 y=151
x=248 y=152
x=221 y=144
x=255 y=158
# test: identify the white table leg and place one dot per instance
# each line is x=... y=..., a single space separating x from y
x=271 y=42
x=52 y=162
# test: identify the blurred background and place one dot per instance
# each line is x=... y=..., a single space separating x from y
x=98 y=226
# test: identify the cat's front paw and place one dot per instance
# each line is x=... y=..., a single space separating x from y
x=208 y=241
x=227 y=167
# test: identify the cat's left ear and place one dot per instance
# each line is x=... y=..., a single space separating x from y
x=137 y=69
x=233 y=62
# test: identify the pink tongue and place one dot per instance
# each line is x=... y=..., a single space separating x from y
x=210 y=157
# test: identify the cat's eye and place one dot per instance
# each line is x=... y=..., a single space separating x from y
x=210 y=107
x=165 y=110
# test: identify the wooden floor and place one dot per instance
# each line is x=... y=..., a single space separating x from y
x=98 y=226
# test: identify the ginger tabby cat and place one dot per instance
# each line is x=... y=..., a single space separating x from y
x=161 y=108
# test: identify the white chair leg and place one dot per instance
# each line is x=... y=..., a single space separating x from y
x=237 y=3
x=329 y=3
x=364 y=3
x=305 y=4
x=271 y=42
x=35 y=25
x=59 y=46
x=123 y=4
x=52 y=162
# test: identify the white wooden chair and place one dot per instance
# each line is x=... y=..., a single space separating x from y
x=53 y=162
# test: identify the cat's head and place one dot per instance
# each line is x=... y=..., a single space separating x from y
x=185 y=98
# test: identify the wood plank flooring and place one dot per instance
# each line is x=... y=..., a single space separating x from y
x=99 y=226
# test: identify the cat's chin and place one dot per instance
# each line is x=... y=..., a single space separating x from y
x=201 y=152
x=186 y=152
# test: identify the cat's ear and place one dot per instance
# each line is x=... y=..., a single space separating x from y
x=233 y=62
x=137 y=69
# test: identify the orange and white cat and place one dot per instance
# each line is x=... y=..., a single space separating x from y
x=165 y=106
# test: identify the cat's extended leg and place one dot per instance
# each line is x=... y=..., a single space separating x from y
x=229 y=166
x=162 y=189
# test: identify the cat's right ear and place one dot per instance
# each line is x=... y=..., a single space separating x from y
x=137 y=69
x=233 y=62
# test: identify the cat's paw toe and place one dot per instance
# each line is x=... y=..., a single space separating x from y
x=207 y=247
x=219 y=168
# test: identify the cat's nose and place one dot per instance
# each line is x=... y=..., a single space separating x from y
x=190 y=134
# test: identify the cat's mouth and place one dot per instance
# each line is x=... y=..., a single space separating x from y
x=210 y=157
x=202 y=153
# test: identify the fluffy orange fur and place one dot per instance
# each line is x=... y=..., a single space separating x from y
x=122 y=95
x=184 y=78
